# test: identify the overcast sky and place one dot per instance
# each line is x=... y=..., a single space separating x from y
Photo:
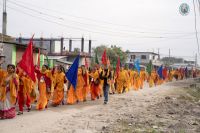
x=135 y=25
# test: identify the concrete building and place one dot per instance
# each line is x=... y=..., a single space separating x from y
x=59 y=50
x=144 y=57
x=11 y=51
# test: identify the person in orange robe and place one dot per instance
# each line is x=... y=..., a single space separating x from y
x=44 y=84
x=86 y=80
x=154 y=76
x=127 y=81
x=132 y=78
x=80 y=85
x=76 y=95
x=176 y=74
x=25 y=88
x=136 y=85
x=71 y=95
x=59 y=80
x=95 y=82
x=8 y=93
x=100 y=69
x=142 y=78
x=151 y=80
x=121 y=80
x=170 y=76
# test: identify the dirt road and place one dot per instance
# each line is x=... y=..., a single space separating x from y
x=166 y=108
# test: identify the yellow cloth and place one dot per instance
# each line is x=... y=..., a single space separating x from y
x=121 y=80
x=142 y=78
x=44 y=95
x=13 y=88
x=58 y=94
x=80 y=85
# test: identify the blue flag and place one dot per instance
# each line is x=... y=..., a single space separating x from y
x=160 y=70
x=137 y=65
x=71 y=74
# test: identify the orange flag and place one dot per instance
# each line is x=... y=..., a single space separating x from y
x=27 y=61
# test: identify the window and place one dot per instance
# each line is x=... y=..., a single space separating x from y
x=144 y=57
x=153 y=57
x=133 y=57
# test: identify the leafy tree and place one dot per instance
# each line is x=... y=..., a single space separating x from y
x=113 y=53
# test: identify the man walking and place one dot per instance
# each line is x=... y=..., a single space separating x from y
x=105 y=75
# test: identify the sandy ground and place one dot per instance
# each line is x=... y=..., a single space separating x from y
x=172 y=107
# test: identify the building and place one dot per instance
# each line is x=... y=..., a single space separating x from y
x=144 y=57
x=189 y=64
x=12 y=51
x=58 y=51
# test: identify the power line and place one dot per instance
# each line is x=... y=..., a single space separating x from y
x=77 y=28
x=72 y=27
x=97 y=26
x=61 y=18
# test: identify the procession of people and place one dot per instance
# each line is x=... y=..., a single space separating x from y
x=28 y=85
x=17 y=89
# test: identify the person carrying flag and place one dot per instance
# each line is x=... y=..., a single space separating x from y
x=25 y=88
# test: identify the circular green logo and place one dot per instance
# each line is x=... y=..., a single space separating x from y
x=184 y=9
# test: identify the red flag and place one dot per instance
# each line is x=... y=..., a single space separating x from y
x=118 y=66
x=27 y=61
x=86 y=62
x=104 y=58
x=38 y=63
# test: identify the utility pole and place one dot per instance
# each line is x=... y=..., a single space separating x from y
x=158 y=54
x=195 y=61
x=4 y=23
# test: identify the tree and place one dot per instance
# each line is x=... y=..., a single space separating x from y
x=113 y=53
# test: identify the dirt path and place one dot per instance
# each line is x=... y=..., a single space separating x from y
x=165 y=108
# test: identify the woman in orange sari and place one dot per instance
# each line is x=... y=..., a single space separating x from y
x=76 y=95
x=142 y=78
x=86 y=87
x=137 y=83
x=121 y=81
x=25 y=88
x=59 y=80
x=44 y=85
x=95 y=89
x=8 y=93
x=80 y=85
